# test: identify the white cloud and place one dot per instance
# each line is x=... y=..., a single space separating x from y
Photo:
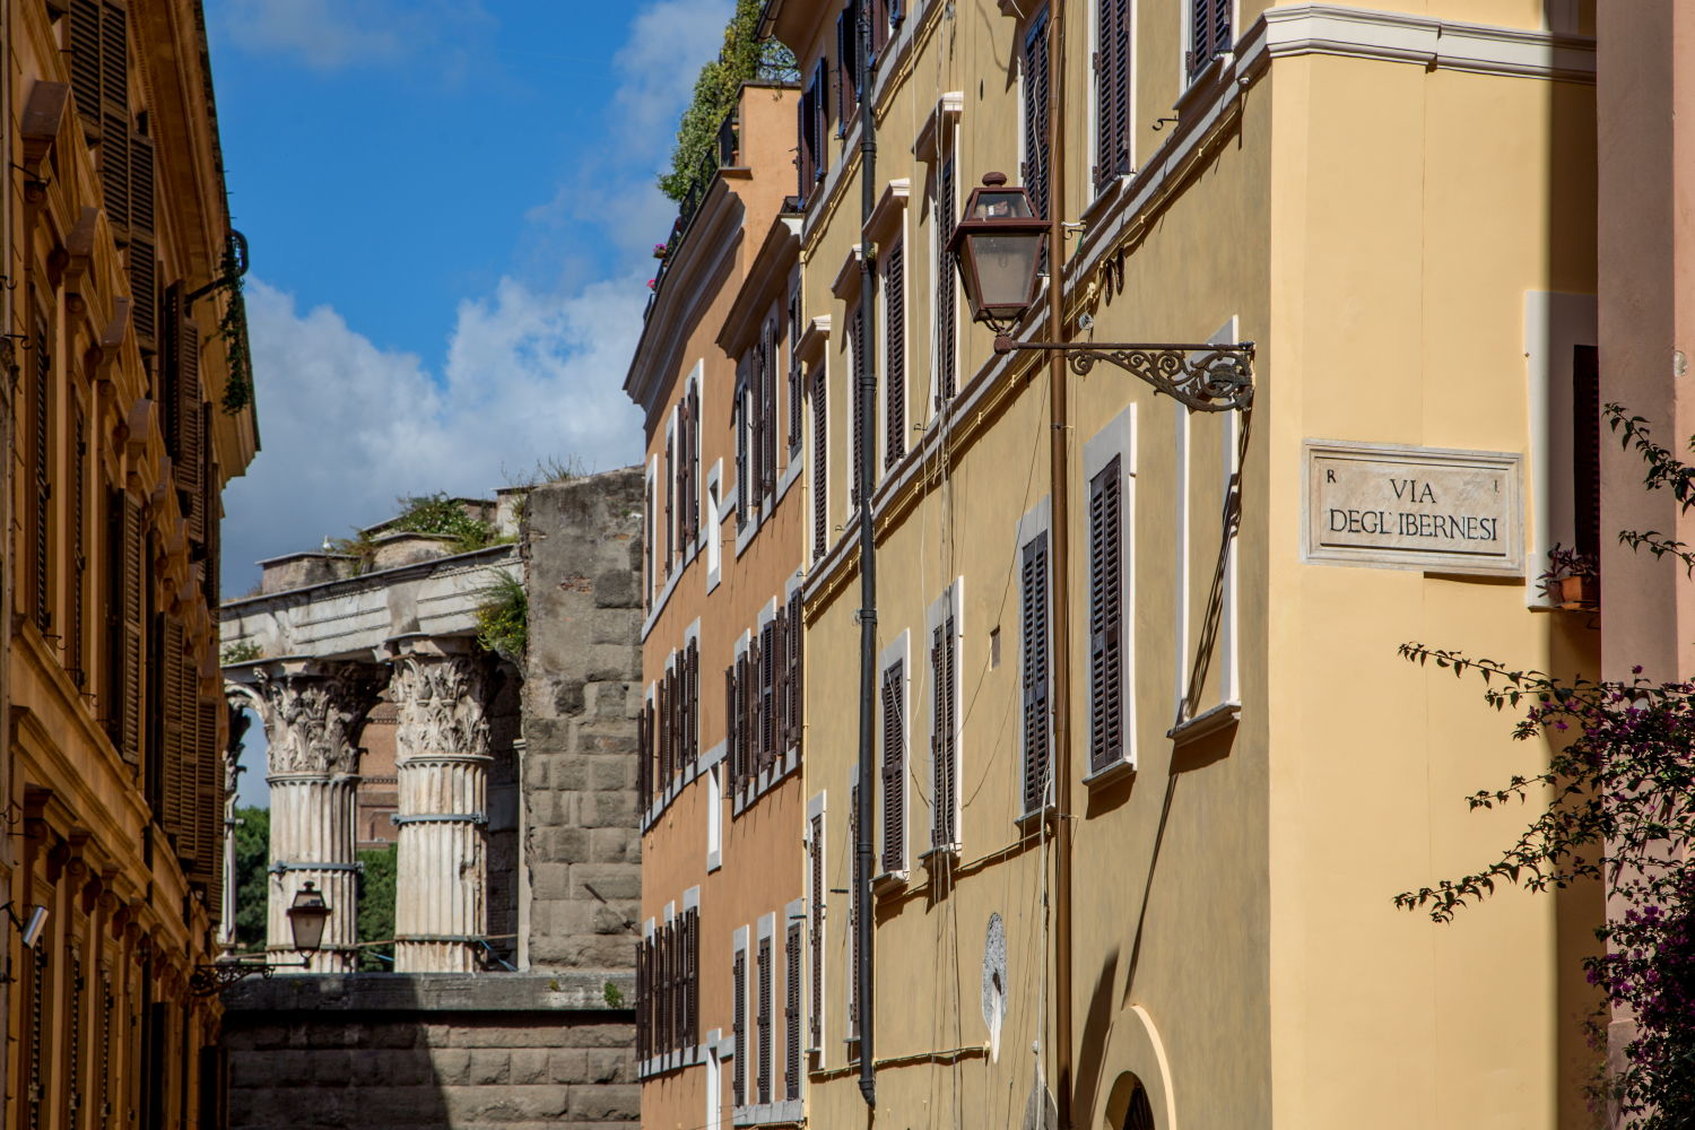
x=348 y=427
x=532 y=371
x=331 y=34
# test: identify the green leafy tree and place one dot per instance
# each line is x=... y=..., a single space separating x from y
x=252 y=857
x=376 y=908
x=1616 y=805
x=744 y=58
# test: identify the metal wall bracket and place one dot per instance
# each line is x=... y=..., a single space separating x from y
x=1204 y=378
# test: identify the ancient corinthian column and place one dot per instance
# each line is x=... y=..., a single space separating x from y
x=441 y=759
x=311 y=713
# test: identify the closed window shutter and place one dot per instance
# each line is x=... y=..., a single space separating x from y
x=847 y=65
x=764 y=974
x=1112 y=92
x=115 y=140
x=1209 y=32
x=820 y=469
x=797 y=639
x=894 y=290
x=85 y=60
x=641 y=1005
x=692 y=954
x=124 y=637
x=856 y=343
x=1035 y=68
x=693 y=495
x=852 y=972
x=143 y=260
x=1035 y=662
x=894 y=769
x=1586 y=449
x=768 y=414
x=1106 y=676
x=732 y=728
x=816 y=956
x=770 y=662
x=944 y=772
x=947 y=332
x=791 y=1015
x=738 y=987
x=208 y=802
x=797 y=393
x=820 y=117
x=211 y=501
x=190 y=465
x=175 y=801
x=692 y=722
x=76 y=645
x=41 y=460
x=744 y=485
x=644 y=755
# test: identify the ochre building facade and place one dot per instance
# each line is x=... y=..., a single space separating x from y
x=127 y=408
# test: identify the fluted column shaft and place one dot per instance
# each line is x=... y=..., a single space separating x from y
x=310 y=719
x=441 y=873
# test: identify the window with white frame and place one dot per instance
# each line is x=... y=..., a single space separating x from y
x=1210 y=32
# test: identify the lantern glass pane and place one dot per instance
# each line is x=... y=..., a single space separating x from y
x=1006 y=268
x=987 y=204
x=306 y=920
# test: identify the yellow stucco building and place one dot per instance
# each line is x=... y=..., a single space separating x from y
x=1148 y=769
x=127 y=406
x=1141 y=768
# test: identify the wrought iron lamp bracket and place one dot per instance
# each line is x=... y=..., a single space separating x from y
x=1207 y=377
x=209 y=980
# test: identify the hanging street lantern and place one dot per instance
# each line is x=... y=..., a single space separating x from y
x=998 y=247
x=307 y=915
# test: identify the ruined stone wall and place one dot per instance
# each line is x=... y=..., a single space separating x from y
x=582 y=551
x=387 y=1051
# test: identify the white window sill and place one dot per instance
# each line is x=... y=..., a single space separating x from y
x=1221 y=717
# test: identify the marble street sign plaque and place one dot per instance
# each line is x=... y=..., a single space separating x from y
x=1425 y=508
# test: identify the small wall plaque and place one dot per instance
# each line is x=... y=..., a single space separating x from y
x=1426 y=508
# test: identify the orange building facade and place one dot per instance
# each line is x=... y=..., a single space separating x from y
x=718 y=377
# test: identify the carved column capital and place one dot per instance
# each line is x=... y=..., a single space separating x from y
x=311 y=715
x=442 y=700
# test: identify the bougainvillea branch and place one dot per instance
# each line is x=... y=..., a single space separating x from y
x=1616 y=804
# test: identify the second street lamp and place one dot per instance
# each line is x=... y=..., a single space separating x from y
x=307 y=915
x=998 y=244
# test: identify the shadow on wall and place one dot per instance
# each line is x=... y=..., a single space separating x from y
x=386 y=1051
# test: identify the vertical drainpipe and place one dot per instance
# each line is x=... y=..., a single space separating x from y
x=1059 y=447
x=866 y=392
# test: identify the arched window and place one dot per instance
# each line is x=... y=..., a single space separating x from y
x=1139 y=1115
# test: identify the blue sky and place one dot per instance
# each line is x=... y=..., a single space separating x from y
x=451 y=211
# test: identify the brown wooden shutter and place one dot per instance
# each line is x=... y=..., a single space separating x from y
x=209 y=808
x=747 y=684
x=943 y=753
x=856 y=406
x=143 y=255
x=85 y=60
x=780 y=680
x=744 y=483
x=791 y=1015
x=847 y=65
x=820 y=468
x=732 y=728
x=894 y=291
x=212 y=522
x=41 y=475
x=1034 y=621
x=644 y=757
x=768 y=664
x=1112 y=91
x=947 y=331
x=1586 y=449
x=894 y=770
x=189 y=465
x=816 y=1027
x=175 y=795
x=764 y=973
x=673 y=490
x=768 y=413
x=1106 y=690
x=691 y=922
x=797 y=700
x=1209 y=32
x=691 y=720
x=641 y=1006
x=76 y=641
x=115 y=141
x=853 y=914
x=738 y=986
x=797 y=391
x=1037 y=157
